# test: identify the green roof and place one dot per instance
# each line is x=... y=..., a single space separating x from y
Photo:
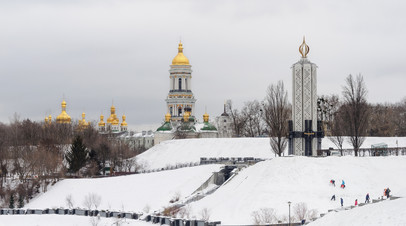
x=165 y=127
x=208 y=127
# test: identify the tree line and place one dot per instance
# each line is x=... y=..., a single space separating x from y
x=349 y=115
x=36 y=154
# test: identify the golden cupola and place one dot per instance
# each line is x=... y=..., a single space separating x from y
x=124 y=123
x=168 y=117
x=102 y=123
x=113 y=120
x=63 y=117
x=206 y=117
x=186 y=116
x=83 y=122
x=180 y=59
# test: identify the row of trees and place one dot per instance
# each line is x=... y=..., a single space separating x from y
x=33 y=155
x=351 y=116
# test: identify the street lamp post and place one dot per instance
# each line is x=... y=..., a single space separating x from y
x=289 y=211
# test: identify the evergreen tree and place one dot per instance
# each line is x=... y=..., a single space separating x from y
x=20 y=201
x=77 y=155
x=11 y=206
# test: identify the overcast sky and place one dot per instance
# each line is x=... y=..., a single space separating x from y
x=96 y=52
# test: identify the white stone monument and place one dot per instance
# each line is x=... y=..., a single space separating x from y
x=304 y=126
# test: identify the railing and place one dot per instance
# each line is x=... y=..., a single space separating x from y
x=366 y=151
x=110 y=214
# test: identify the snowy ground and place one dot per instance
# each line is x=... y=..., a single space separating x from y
x=271 y=184
x=127 y=193
x=268 y=184
x=382 y=213
x=62 y=220
x=390 y=141
x=172 y=152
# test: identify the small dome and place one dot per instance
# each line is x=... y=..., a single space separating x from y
x=167 y=117
x=101 y=123
x=124 y=123
x=206 y=117
x=180 y=59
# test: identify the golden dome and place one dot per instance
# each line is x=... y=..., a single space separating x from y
x=113 y=120
x=46 y=120
x=83 y=122
x=206 y=117
x=124 y=123
x=168 y=117
x=63 y=117
x=101 y=123
x=186 y=116
x=180 y=59
x=304 y=48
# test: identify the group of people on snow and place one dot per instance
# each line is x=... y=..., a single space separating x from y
x=367 y=198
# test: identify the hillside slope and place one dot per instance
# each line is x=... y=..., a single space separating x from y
x=172 y=152
x=129 y=193
x=271 y=184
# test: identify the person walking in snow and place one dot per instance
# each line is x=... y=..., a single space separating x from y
x=342 y=184
x=367 y=198
x=387 y=193
x=333 y=182
x=356 y=202
x=342 y=202
x=333 y=198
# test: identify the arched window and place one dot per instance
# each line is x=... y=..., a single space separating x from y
x=180 y=83
x=171 y=110
x=179 y=111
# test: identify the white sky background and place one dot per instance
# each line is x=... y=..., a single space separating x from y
x=93 y=52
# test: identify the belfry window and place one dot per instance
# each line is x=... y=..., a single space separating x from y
x=179 y=111
x=180 y=83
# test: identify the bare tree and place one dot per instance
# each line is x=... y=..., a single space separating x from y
x=205 y=214
x=238 y=120
x=264 y=216
x=355 y=110
x=334 y=122
x=276 y=115
x=252 y=115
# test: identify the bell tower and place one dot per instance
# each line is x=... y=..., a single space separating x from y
x=180 y=99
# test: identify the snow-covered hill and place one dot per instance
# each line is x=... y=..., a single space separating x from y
x=128 y=193
x=268 y=184
x=271 y=184
x=173 y=152
x=382 y=213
